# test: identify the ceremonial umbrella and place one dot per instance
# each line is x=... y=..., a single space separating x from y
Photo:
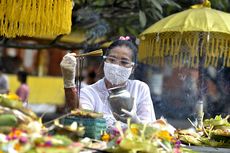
x=197 y=37
x=35 y=18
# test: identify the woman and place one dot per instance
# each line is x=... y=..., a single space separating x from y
x=23 y=89
x=118 y=65
x=4 y=83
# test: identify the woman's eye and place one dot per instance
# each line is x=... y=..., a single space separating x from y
x=111 y=60
x=125 y=62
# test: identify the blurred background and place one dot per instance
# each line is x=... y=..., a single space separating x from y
x=95 y=23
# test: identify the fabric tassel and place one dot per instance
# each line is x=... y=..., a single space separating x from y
x=216 y=62
x=181 y=60
x=172 y=48
x=167 y=47
x=212 y=61
x=185 y=48
x=221 y=47
x=35 y=18
x=217 y=50
x=197 y=61
x=228 y=58
x=162 y=48
x=206 y=61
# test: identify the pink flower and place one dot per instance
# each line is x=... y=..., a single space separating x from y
x=124 y=38
x=176 y=150
x=119 y=139
x=23 y=139
x=48 y=143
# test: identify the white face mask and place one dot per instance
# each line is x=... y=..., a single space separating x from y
x=116 y=74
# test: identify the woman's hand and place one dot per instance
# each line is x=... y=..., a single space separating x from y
x=132 y=115
x=68 y=67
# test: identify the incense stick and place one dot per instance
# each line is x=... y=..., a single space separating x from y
x=98 y=52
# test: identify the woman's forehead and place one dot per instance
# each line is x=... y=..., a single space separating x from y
x=121 y=52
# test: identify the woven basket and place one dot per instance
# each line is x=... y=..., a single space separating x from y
x=94 y=127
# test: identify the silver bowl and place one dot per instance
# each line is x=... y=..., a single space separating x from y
x=119 y=98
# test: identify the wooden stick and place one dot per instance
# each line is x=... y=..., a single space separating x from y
x=98 y=52
x=60 y=117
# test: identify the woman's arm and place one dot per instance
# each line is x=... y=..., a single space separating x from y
x=68 y=67
x=145 y=109
x=87 y=99
x=71 y=99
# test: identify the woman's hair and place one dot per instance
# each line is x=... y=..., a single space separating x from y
x=22 y=75
x=127 y=43
x=2 y=68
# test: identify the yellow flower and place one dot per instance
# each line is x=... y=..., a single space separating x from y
x=165 y=135
x=17 y=133
x=11 y=135
x=134 y=130
x=17 y=146
x=13 y=96
x=105 y=137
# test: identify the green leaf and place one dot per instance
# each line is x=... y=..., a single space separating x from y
x=142 y=18
x=172 y=3
x=121 y=31
x=132 y=31
x=137 y=146
x=157 y=5
x=65 y=141
x=218 y=117
x=100 y=2
x=157 y=15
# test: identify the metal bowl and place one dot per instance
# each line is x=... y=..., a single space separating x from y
x=120 y=98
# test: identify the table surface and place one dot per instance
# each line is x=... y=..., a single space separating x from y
x=203 y=149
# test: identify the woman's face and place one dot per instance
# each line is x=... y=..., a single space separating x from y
x=121 y=55
x=118 y=66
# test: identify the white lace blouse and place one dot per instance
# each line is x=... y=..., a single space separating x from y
x=95 y=97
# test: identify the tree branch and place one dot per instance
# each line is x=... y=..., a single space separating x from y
x=61 y=45
x=56 y=39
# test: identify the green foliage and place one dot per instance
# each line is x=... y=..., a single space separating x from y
x=62 y=140
x=142 y=18
x=222 y=5
x=217 y=121
x=112 y=18
x=8 y=120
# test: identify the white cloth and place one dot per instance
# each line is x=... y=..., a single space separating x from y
x=95 y=97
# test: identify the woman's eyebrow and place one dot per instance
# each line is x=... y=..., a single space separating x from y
x=112 y=56
x=122 y=58
x=125 y=58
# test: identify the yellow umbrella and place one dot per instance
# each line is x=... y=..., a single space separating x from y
x=35 y=18
x=197 y=37
x=186 y=36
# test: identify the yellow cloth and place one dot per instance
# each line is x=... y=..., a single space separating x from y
x=35 y=17
x=43 y=90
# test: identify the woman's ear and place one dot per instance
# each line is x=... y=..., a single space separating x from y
x=133 y=69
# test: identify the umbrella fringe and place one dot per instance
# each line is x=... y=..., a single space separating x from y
x=186 y=51
x=35 y=17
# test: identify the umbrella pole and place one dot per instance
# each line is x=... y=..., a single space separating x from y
x=202 y=84
x=201 y=93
